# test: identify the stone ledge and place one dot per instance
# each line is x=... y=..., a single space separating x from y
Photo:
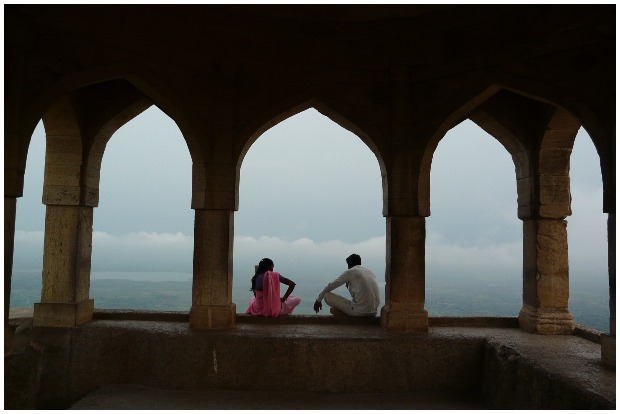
x=20 y=316
x=473 y=322
x=181 y=316
x=586 y=332
x=140 y=315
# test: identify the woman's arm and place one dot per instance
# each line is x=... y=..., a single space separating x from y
x=291 y=286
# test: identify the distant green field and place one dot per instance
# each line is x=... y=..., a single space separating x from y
x=588 y=304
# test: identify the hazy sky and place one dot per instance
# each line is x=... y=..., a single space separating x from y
x=310 y=194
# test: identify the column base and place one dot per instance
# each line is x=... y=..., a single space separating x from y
x=63 y=315
x=398 y=317
x=608 y=351
x=213 y=316
x=546 y=321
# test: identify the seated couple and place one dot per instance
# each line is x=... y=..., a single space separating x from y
x=360 y=281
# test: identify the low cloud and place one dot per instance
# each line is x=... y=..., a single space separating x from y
x=28 y=250
x=142 y=239
x=305 y=259
x=142 y=251
x=502 y=260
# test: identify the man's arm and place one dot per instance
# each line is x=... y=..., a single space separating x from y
x=339 y=281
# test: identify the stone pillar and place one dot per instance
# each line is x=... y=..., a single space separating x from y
x=10 y=207
x=545 y=278
x=608 y=342
x=66 y=267
x=405 y=275
x=212 y=306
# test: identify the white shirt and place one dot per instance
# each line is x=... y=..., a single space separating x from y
x=362 y=285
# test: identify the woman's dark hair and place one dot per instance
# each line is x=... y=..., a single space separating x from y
x=263 y=266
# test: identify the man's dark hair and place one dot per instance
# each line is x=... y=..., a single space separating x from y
x=354 y=260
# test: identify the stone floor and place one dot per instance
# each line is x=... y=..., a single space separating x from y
x=131 y=396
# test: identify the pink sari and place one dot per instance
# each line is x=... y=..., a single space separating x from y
x=271 y=294
x=267 y=302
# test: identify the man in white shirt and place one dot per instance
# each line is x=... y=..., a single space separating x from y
x=362 y=285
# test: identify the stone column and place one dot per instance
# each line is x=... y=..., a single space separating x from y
x=66 y=267
x=405 y=215
x=608 y=342
x=405 y=275
x=10 y=206
x=545 y=277
x=544 y=199
x=212 y=306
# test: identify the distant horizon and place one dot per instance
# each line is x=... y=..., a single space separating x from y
x=444 y=297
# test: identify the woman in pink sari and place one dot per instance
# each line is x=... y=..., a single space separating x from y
x=266 y=288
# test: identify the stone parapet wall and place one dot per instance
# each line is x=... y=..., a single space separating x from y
x=504 y=367
x=298 y=358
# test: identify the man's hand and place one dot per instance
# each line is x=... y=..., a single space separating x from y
x=317 y=306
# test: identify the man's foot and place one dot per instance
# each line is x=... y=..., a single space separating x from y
x=337 y=312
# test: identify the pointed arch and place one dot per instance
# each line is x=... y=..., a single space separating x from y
x=601 y=132
x=285 y=110
x=461 y=110
x=78 y=127
x=164 y=97
x=482 y=103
